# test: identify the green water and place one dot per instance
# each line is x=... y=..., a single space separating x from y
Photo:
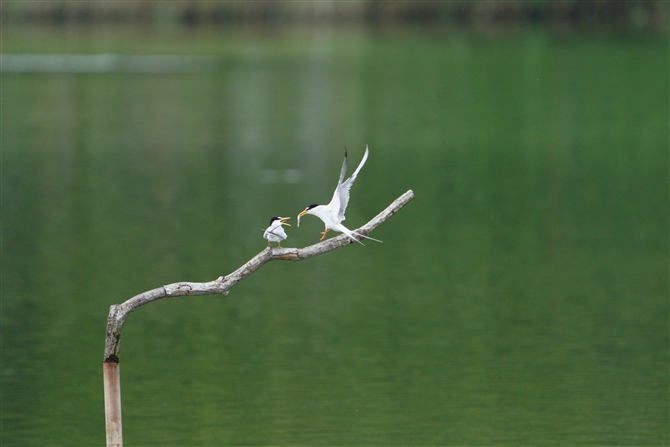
x=520 y=299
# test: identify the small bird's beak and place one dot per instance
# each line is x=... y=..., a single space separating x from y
x=284 y=223
x=302 y=213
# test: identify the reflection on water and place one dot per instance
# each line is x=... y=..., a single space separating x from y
x=521 y=298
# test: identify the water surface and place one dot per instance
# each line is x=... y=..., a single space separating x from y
x=520 y=299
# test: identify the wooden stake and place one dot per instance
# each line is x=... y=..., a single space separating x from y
x=112 y=379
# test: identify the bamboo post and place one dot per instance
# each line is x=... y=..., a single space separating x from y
x=112 y=379
x=222 y=285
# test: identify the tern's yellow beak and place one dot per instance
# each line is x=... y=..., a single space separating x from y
x=284 y=223
x=302 y=213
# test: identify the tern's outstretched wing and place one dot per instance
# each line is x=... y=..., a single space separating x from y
x=344 y=168
x=344 y=187
x=334 y=204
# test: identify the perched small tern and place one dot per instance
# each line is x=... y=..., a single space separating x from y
x=332 y=214
x=275 y=232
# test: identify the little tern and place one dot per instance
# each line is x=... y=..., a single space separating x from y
x=275 y=232
x=332 y=214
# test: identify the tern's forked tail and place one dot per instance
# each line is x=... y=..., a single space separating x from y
x=351 y=234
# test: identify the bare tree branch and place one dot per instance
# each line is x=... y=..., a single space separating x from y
x=222 y=285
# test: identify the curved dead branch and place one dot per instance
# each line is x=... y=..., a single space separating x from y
x=222 y=285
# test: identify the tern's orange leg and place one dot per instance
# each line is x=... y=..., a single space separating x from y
x=323 y=234
x=278 y=244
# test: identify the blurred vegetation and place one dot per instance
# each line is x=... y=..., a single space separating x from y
x=491 y=16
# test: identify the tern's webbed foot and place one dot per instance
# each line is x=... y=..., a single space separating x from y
x=323 y=234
